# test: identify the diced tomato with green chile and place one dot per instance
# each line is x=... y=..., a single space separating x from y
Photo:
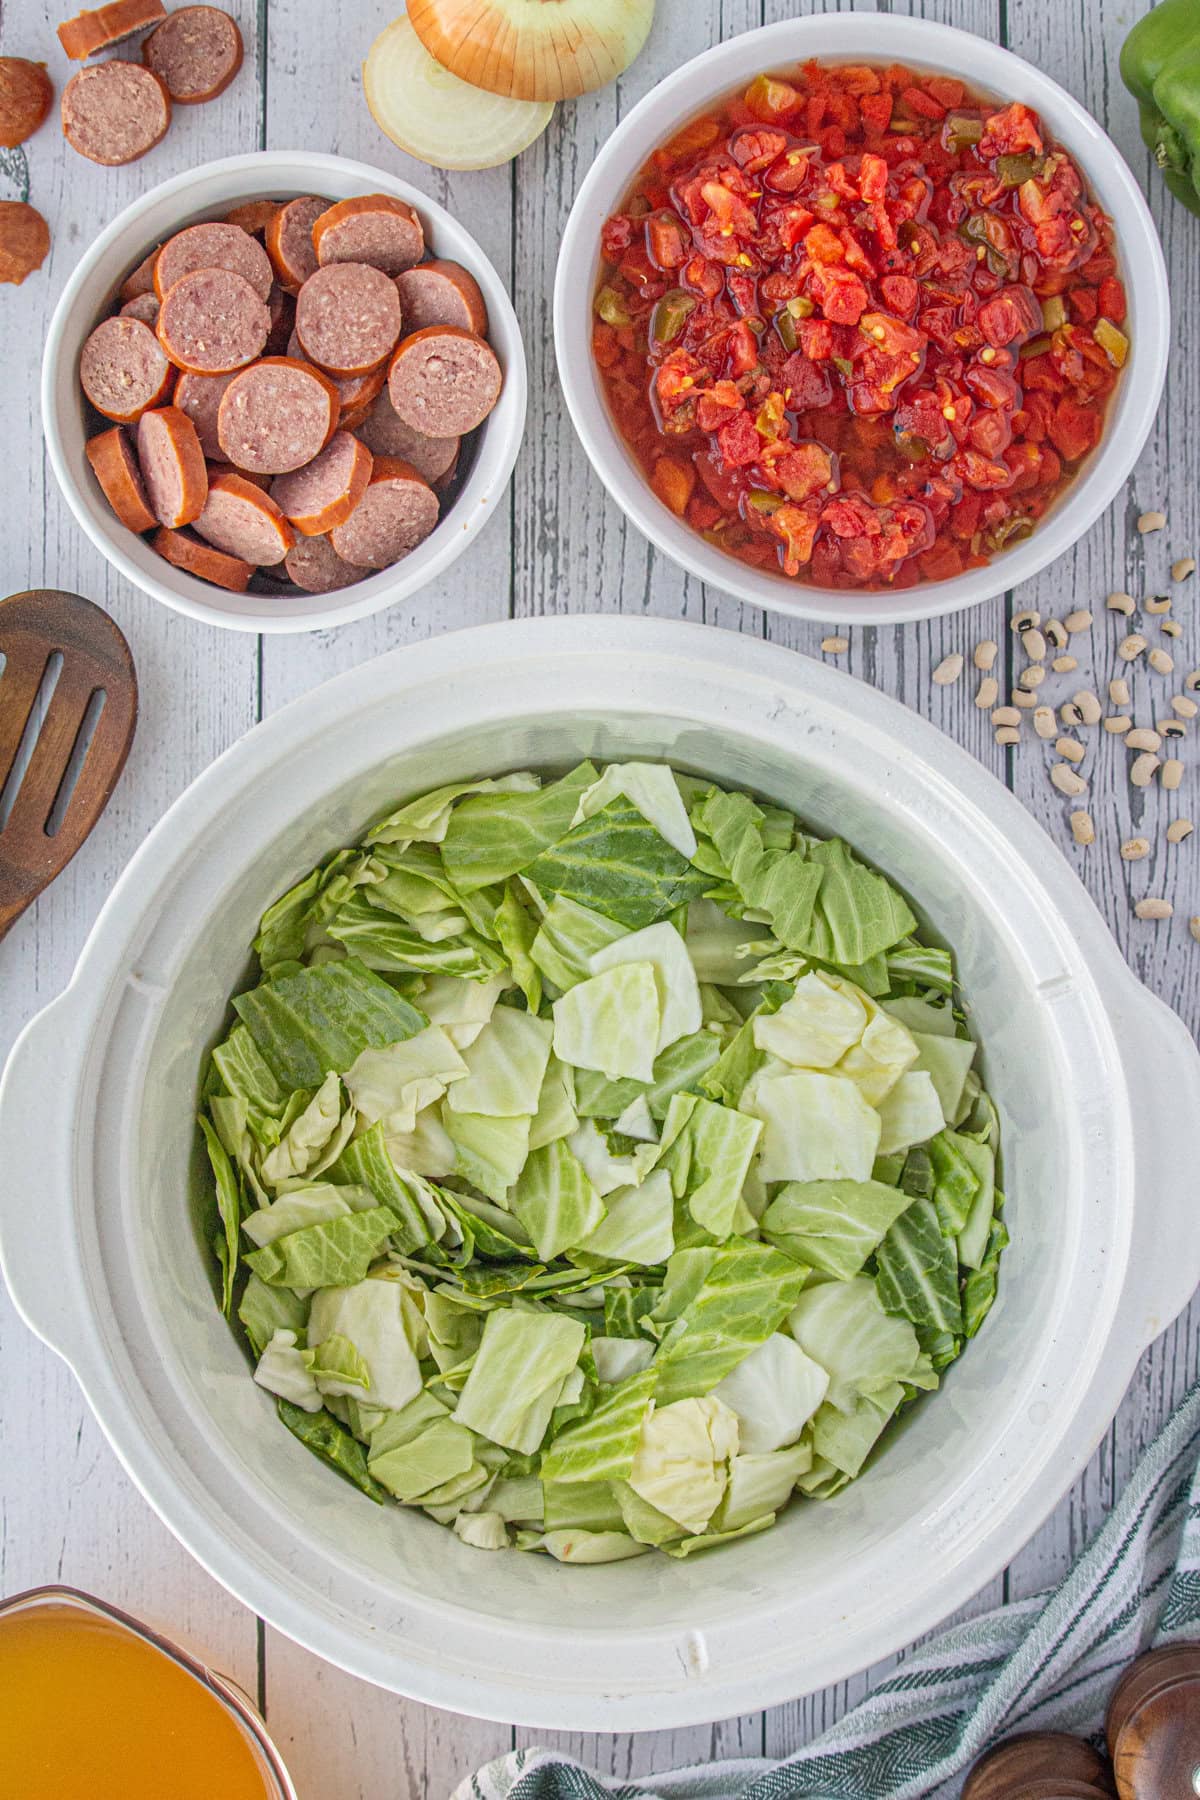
x=860 y=325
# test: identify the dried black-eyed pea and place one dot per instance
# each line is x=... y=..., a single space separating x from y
x=1121 y=603
x=1171 y=774
x=1118 y=691
x=1172 y=628
x=1007 y=735
x=1063 y=665
x=1006 y=715
x=1032 y=677
x=1154 y=909
x=1133 y=849
x=1143 y=769
x=1089 y=706
x=989 y=693
x=1056 y=633
x=1151 y=521
x=1131 y=647
x=1183 y=568
x=1117 y=723
x=1187 y=709
x=1033 y=643
x=948 y=670
x=1194 y=926
x=1070 y=749
x=1157 y=603
x=1161 y=662
x=1026 y=621
x=1066 y=780
x=1143 y=739
x=985 y=654
x=1076 y=622
x=1082 y=828
x=1070 y=714
x=835 y=646
x=1023 y=697
x=1171 y=728
x=1178 y=830
x=1045 y=721
x=1191 y=681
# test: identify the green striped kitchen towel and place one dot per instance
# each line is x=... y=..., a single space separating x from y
x=1045 y=1663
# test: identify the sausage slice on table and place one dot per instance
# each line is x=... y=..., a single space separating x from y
x=289 y=241
x=244 y=522
x=99 y=27
x=189 y=554
x=212 y=321
x=24 y=240
x=197 y=51
x=397 y=512
x=26 y=92
x=173 y=467
x=199 y=396
x=113 y=112
x=371 y=228
x=314 y=565
x=347 y=318
x=444 y=381
x=277 y=416
x=123 y=369
x=442 y=293
x=116 y=469
x=325 y=491
x=213 y=246
x=384 y=433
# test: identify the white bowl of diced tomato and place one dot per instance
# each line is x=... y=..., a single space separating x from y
x=861 y=318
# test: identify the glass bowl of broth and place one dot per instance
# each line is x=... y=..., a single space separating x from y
x=94 y=1702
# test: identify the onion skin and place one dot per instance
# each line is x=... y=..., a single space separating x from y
x=574 y=47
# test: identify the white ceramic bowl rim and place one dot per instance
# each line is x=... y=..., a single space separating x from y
x=210 y=191
x=874 y=37
x=1099 y=1085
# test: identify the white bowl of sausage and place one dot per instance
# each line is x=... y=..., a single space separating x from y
x=210 y=193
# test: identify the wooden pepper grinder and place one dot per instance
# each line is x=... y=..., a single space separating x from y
x=1153 y=1726
x=1040 y=1765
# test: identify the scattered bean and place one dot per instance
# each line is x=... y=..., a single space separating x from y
x=1179 y=829
x=1151 y=521
x=1171 y=728
x=1007 y=734
x=1133 y=849
x=1172 y=628
x=1117 y=723
x=1062 y=665
x=989 y=692
x=985 y=655
x=1082 y=829
x=1157 y=603
x=835 y=646
x=1089 y=706
x=1022 y=697
x=1143 y=769
x=1143 y=739
x=1118 y=691
x=1078 y=621
x=1056 y=633
x=1026 y=621
x=1194 y=926
x=1045 y=721
x=1070 y=713
x=1006 y=715
x=1034 y=645
x=1121 y=603
x=1183 y=568
x=1066 y=780
x=1032 y=677
x=1161 y=662
x=1070 y=748
x=1171 y=775
x=1154 y=909
x=1130 y=647
x=1187 y=709
x=1191 y=681
x=948 y=670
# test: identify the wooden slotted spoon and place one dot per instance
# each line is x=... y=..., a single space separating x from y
x=48 y=820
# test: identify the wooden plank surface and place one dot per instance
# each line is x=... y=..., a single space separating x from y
x=66 y=1510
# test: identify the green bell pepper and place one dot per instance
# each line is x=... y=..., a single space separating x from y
x=1160 y=65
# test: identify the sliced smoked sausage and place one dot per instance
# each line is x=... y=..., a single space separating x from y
x=356 y=392
x=396 y=513
x=244 y=522
x=441 y=293
x=277 y=416
x=141 y=279
x=384 y=433
x=253 y=216
x=444 y=381
x=315 y=566
x=24 y=240
x=26 y=92
x=143 y=307
x=189 y=554
x=116 y=469
x=325 y=491
x=347 y=318
x=199 y=396
x=113 y=112
x=212 y=321
x=123 y=370
x=289 y=241
x=371 y=228
x=100 y=27
x=197 y=51
x=213 y=246
x=172 y=465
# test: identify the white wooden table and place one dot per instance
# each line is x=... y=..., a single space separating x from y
x=67 y=1512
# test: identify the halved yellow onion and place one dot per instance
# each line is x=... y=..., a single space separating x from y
x=437 y=117
x=533 y=49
